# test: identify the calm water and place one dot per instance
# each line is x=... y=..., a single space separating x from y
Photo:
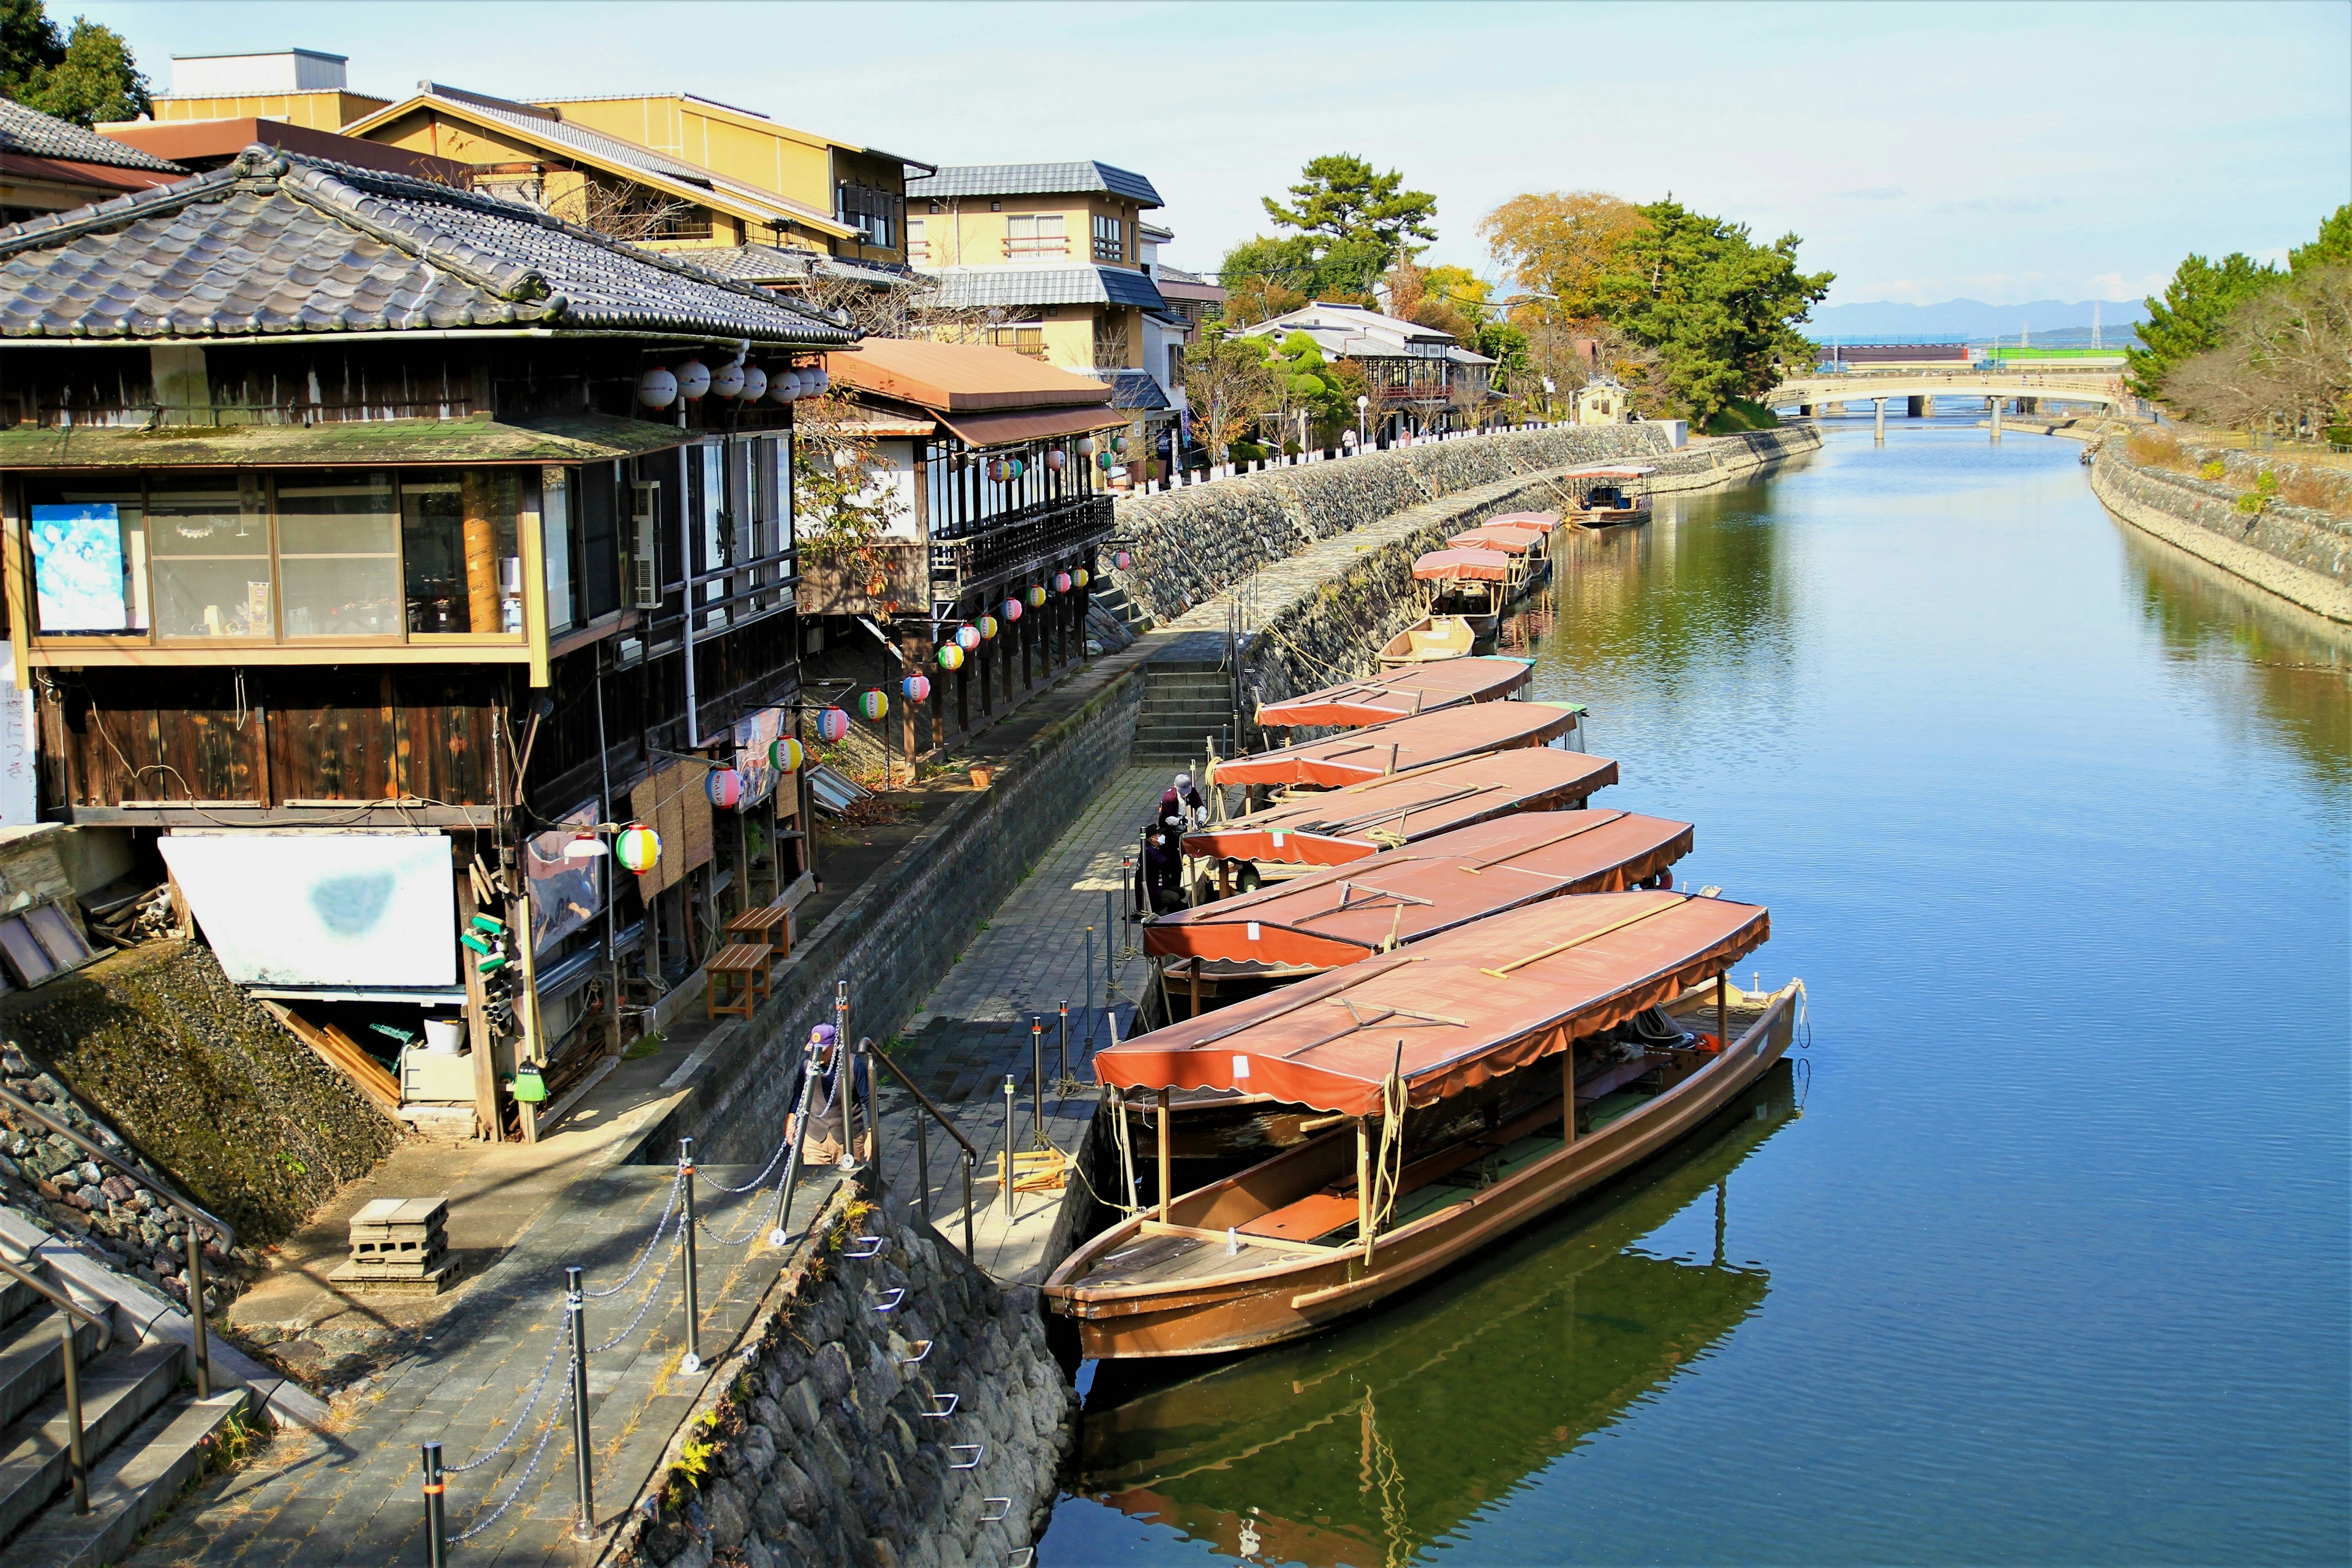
x=2045 y=1257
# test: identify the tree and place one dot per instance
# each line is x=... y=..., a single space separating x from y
x=2283 y=357
x=2334 y=246
x=1228 y=384
x=1562 y=247
x=843 y=500
x=91 y=77
x=1264 y=278
x=29 y=47
x=2188 y=320
x=1340 y=205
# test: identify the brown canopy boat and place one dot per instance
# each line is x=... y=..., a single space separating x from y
x=1509 y=538
x=1545 y=521
x=1474 y=585
x=1400 y=696
x=1445 y=1070
x=1401 y=745
x=1429 y=640
x=1342 y=824
x=1606 y=494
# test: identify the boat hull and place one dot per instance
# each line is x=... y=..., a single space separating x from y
x=1217 y=1315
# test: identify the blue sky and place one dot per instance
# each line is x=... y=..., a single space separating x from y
x=1990 y=150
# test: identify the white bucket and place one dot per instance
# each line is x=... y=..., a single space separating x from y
x=445 y=1036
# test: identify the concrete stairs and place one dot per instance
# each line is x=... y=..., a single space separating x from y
x=144 y=1432
x=1108 y=595
x=1184 y=702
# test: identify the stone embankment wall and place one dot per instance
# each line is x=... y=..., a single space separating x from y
x=821 y=1449
x=2299 y=553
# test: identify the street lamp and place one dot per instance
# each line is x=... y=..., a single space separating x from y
x=1363 y=431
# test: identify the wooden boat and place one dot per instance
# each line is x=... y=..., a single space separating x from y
x=1545 y=521
x=1606 y=498
x=1444 y=1070
x=1412 y=691
x=1338 y=826
x=1427 y=640
x=1474 y=585
x=1401 y=745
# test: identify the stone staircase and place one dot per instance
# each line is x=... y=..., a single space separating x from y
x=1184 y=702
x=1109 y=597
x=144 y=1432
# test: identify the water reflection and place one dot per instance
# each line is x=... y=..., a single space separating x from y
x=1362 y=1447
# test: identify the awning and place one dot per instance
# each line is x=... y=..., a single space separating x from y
x=1545 y=521
x=559 y=438
x=1401 y=745
x=1444 y=684
x=1454 y=1011
x=1350 y=912
x=1465 y=565
x=1014 y=426
x=1499 y=538
x=1609 y=471
x=1344 y=824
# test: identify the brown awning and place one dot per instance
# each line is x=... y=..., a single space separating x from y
x=1401 y=745
x=1498 y=537
x=1401 y=694
x=1464 y=566
x=1344 y=824
x=1014 y=426
x=963 y=378
x=552 y=438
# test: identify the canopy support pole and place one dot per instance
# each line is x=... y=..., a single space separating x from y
x=1364 y=1186
x=1197 y=962
x=1722 y=1012
x=1567 y=1096
x=1167 y=1156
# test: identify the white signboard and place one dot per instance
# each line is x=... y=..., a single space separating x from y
x=19 y=791
x=322 y=909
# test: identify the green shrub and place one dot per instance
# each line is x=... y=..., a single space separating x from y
x=2213 y=469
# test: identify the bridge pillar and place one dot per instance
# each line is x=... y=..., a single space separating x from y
x=1920 y=407
x=1833 y=408
x=1808 y=411
x=1878 y=420
x=2029 y=406
x=1996 y=416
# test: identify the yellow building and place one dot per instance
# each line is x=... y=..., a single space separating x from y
x=301 y=86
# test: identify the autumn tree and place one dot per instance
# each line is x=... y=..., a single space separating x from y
x=1229 y=385
x=1564 y=249
x=843 y=500
x=2188 y=320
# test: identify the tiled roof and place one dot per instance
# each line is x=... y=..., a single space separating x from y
x=1033 y=180
x=275 y=243
x=38 y=135
x=1135 y=389
x=781 y=263
x=968 y=287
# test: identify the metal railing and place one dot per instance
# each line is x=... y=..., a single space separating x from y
x=178 y=1205
x=923 y=1140
x=77 y=1459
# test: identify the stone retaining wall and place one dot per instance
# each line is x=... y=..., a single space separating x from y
x=819 y=1449
x=2297 y=553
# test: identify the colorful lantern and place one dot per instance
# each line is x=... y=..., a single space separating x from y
x=693 y=379
x=996 y=471
x=832 y=725
x=1088 y=445
x=637 y=848
x=786 y=754
x=1061 y=581
x=950 y=656
x=1012 y=608
x=1103 y=462
x=1122 y=560
x=1036 y=595
x=988 y=626
x=968 y=637
x=915 y=688
x=1016 y=467
x=1082 y=576
x=872 y=705
x=725 y=788
x=1118 y=443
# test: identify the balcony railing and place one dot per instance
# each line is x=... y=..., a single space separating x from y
x=1017 y=541
x=1037 y=245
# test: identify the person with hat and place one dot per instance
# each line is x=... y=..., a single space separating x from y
x=828 y=1106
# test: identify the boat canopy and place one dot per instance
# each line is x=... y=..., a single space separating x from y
x=1609 y=471
x=1545 y=521
x=1349 y=912
x=1400 y=695
x=1401 y=745
x=1465 y=565
x=1454 y=1011
x=1507 y=537
x=1344 y=824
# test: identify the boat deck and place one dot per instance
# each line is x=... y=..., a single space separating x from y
x=1162 y=1258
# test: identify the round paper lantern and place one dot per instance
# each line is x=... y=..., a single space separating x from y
x=832 y=725
x=786 y=754
x=1061 y=581
x=755 y=383
x=727 y=379
x=1102 y=461
x=967 y=637
x=1088 y=445
x=693 y=379
x=1012 y=608
x=988 y=627
x=872 y=705
x=950 y=656
x=1036 y=595
x=996 y=471
x=1122 y=560
x=915 y=688
x=637 y=848
x=725 y=788
x=657 y=388
x=1118 y=443
x=819 y=380
x=1082 y=576
x=1054 y=459
x=1017 y=468
x=784 y=387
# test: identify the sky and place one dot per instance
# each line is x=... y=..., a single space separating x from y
x=1985 y=151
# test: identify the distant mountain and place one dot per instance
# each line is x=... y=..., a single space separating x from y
x=1953 y=319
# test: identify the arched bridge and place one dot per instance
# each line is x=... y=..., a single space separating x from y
x=2057 y=386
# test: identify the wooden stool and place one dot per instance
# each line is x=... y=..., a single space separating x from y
x=771 y=925
x=742 y=969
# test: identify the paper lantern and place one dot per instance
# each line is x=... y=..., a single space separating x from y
x=1015 y=467
x=755 y=383
x=1122 y=560
x=725 y=788
x=1012 y=608
x=832 y=725
x=1036 y=595
x=988 y=626
x=727 y=379
x=693 y=379
x=872 y=705
x=1103 y=462
x=1088 y=445
x=784 y=387
x=817 y=380
x=657 y=388
x=996 y=471
x=1061 y=581
x=915 y=688
x=1082 y=576
x=1118 y=443
x=1055 y=459
x=968 y=637
x=637 y=848
x=950 y=656
x=786 y=754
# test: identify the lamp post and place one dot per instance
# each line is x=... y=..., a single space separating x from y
x=1363 y=431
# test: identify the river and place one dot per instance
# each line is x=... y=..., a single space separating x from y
x=2039 y=1253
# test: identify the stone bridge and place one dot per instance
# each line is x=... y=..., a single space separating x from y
x=1920 y=387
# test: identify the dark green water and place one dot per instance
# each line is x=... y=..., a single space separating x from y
x=2052 y=1267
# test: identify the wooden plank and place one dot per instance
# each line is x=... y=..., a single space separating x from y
x=379 y=1087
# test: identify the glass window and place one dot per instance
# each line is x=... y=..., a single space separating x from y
x=1110 y=238
x=90 y=558
x=1030 y=234
x=338 y=554
x=210 y=543
x=463 y=566
x=555 y=537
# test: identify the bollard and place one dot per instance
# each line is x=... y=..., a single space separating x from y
x=77 y=1463
x=693 y=1362
x=1038 y=1074
x=1011 y=1093
x=1090 y=987
x=197 y=1313
x=844 y=1061
x=1062 y=1047
x=584 y=1527
x=435 y=1545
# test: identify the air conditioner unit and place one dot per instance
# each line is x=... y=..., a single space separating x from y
x=644 y=571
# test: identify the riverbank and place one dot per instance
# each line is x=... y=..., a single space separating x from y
x=2301 y=553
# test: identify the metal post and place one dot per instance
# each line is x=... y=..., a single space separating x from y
x=873 y=1120
x=1167 y=1156
x=76 y=1464
x=1062 y=1043
x=1038 y=1074
x=1090 y=987
x=434 y=1549
x=1110 y=923
x=1722 y=1016
x=844 y=1082
x=693 y=1362
x=574 y=1307
x=922 y=1163
x=967 y=1158
x=197 y=1313
x=1011 y=1092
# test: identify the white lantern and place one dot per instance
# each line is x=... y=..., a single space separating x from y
x=693 y=380
x=782 y=386
x=729 y=380
x=755 y=383
x=657 y=388
x=822 y=379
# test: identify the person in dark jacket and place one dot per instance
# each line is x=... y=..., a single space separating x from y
x=827 y=1101
x=1181 y=806
x=1163 y=868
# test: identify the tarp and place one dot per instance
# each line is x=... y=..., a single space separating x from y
x=1545 y=521
x=1471 y=565
x=1398 y=896
x=1423 y=689
x=1401 y=745
x=365 y=910
x=1504 y=540
x=1454 y=1011
x=1344 y=824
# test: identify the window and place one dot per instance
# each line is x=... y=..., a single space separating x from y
x=338 y=555
x=555 y=540
x=1036 y=233
x=462 y=569
x=1175 y=364
x=210 y=543
x=1030 y=341
x=90 y=558
x=1110 y=238
x=919 y=247
x=875 y=215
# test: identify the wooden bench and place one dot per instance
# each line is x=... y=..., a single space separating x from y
x=770 y=925
x=736 y=980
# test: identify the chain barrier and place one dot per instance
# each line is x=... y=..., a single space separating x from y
x=802 y=1110
x=645 y=1306
x=562 y=1338
x=554 y=1419
x=678 y=1185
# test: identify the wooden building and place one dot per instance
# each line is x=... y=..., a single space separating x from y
x=369 y=546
